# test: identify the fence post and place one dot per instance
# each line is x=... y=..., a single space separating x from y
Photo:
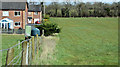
x=42 y=32
x=24 y=48
x=29 y=52
x=33 y=47
x=37 y=42
x=18 y=45
x=10 y=56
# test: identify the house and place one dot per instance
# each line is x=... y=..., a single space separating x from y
x=14 y=11
x=34 y=13
x=15 y=15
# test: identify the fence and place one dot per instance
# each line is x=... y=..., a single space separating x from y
x=29 y=49
x=11 y=31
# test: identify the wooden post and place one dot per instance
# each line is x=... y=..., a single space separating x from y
x=24 y=47
x=29 y=60
x=33 y=47
x=42 y=32
x=10 y=56
x=37 y=42
x=18 y=45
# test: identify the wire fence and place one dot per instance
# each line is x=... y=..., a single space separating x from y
x=27 y=53
x=14 y=45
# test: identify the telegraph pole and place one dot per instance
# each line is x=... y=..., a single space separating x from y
x=44 y=8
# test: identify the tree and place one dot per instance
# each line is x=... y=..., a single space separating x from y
x=80 y=9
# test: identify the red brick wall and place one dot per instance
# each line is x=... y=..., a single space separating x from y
x=36 y=16
x=31 y=14
x=14 y=18
x=26 y=11
x=41 y=16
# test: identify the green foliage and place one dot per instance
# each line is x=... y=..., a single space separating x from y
x=81 y=9
x=46 y=16
x=49 y=28
x=73 y=13
x=59 y=13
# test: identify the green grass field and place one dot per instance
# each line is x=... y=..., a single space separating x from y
x=87 y=41
x=83 y=41
x=9 y=41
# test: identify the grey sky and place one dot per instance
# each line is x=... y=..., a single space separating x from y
x=77 y=0
x=48 y=1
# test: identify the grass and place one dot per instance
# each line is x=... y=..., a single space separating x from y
x=83 y=41
x=9 y=41
x=87 y=41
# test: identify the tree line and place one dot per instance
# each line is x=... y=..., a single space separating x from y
x=75 y=9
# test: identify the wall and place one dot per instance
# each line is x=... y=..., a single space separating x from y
x=14 y=18
x=39 y=16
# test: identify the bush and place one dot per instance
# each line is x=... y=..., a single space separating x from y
x=45 y=20
x=46 y=17
x=49 y=28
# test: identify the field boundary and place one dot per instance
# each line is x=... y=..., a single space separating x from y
x=28 y=50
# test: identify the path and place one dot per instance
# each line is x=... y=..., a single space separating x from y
x=47 y=50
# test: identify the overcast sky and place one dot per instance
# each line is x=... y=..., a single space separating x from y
x=78 y=0
x=104 y=1
x=49 y=1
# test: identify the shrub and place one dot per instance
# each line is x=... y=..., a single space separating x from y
x=49 y=28
x=45 y=20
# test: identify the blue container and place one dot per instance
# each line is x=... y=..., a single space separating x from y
x=35 y=31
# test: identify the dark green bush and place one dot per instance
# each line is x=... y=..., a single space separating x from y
x=49 y=28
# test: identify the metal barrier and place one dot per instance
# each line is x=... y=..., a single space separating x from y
x=13 y=31
x=30 y=48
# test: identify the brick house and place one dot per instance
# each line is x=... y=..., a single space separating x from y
x=34 y=13
x=18 y=13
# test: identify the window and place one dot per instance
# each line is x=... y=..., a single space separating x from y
x=4 y=21
x=17 y=23
x=2 y=25
x=29 y=13
x=17 y=13
x=36 y=13
x=29 y=19
x=5 y=13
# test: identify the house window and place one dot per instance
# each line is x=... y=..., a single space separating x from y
x=17 y=23
x=29 y=13
x=17 y=13
x=29 y=19
x=36 y=13
x=5 y=13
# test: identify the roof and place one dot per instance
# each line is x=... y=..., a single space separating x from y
x=13 y=0
x=6 y=20
x=34 y=8
x=13 y=5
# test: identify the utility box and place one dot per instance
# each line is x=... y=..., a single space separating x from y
x=35 y=31
x=30 y=30
x=27 y=30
